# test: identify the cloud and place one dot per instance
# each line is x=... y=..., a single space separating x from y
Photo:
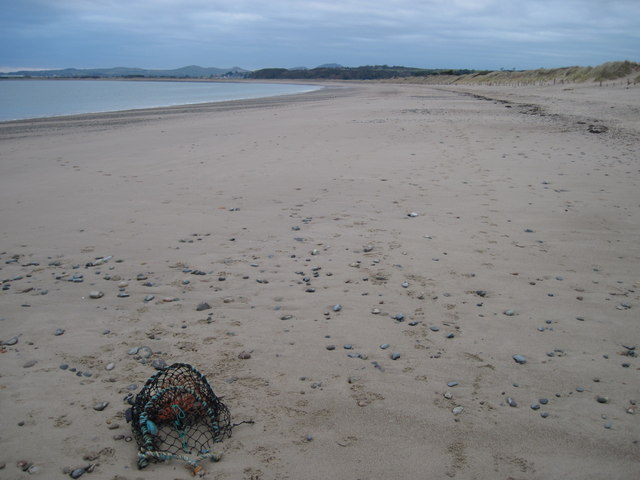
x=275 y=32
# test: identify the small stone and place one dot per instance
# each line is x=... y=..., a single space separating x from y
x=133 y=351
x=148 y=298
x=244 y=355
x=58 y=332
x=145 y=352
x=203 y=306
x=544 y=414
x=434 y=329
x=601 y=399
x=544 y=401
x=159 y=364
x=412 y=214
x=110 y=366
x=457 y=410
x=405 y=284
x=347 y=346
x=535 y=406
x=29 y=364
x=608 y=425
x=448 y=395
x=330 y=347
x=399 y=317
x=95 y=294
x=337 y=307
x=519 y=359
x=375 y=311
x=77 y=473
x=579 y=389
x=11 y=341
x=511 y=402
x=452 y=384
x=100 y=406
x=394 y=356
x=509 y=313
x=384 y=346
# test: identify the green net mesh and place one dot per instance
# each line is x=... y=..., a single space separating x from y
x=176 y=415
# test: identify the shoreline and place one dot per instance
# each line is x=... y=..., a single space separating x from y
x=162 y=107
x=361 y=270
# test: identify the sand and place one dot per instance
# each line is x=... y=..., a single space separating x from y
x=524 y=240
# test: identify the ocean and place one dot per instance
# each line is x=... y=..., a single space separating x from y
x=20 y=99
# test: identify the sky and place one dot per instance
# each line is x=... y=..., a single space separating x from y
x=253 y=34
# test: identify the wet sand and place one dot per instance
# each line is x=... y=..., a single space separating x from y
x=496 y=221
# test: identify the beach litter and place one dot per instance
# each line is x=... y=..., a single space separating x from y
x=176 y=415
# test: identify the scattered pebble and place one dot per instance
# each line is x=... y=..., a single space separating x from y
x=100 y=406
x=203 y=306
x=511 y=402
x=457 y=410
x=394 y=356
x=95 y=294
x=519 y=359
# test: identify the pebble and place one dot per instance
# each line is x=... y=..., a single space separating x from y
x=203 y=306
x=77 y=473
x=509 y=313
x=544 y=401
x=452 y=384
x=535 y=406
x=159 y=364
x=145 y=352
x=511 y=402
x=11 y=341
x=375 y=311
x=95 y=294
x=457 y=410
x=100 y=406
x=608 y=425
x=337 y=307
x=347 y=346
x=399 y=317
x=244 y=355
x=148 y=298
x=394 y=356
x=412 y=214
x=110 y=366
x=384 y=346
x=330 y=347
x=58 y=332
x=405 y=284
x=544 y=414
x=519 y=359
x=29 y=364
x=601 y=399
x=133 y=351
x=434 y=329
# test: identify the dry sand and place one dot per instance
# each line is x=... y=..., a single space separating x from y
x=521 y=209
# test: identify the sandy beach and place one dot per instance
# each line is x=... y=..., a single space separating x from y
x=457 y=227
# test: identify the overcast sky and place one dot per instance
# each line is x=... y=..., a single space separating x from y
x=479 y=34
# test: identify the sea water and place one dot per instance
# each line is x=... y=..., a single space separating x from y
x=20 y=98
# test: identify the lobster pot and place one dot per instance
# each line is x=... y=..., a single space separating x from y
x=176 y=415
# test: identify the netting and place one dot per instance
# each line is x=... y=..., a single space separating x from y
x=177 y=415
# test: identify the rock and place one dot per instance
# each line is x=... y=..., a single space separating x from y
x=394 y=356
x=110 y=366
x=11 y=341
x=457 y=410
x=203 y=306
x=511 y=402
x=100 y=406
x=133 y=351
x=412 y=214
x=159 y=364
x=384 y=346
x=95 y=294
x=145 y=352
x=148 y=298
x=58 y=332
x=543 y=401
x=405 y=284
x=434 y=329
x=337 y=307
x=29 y=364
x=375 y=311
x=601 y=399
x=347 y=346
x=330 y=347
x=509 y=313
x=77 y=473
x=244 y=355
x=535 y=406
x=519 y=359
x=399 y=317
x=452 y=384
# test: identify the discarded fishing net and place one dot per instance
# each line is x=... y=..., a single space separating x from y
x=176 y=415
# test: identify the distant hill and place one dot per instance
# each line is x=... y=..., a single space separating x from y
x=330 y=65
x=191 y=71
